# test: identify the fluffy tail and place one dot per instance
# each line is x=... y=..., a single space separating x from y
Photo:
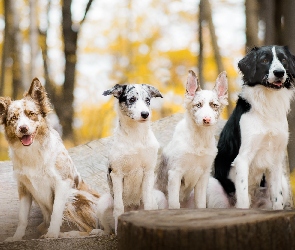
x=216 y=196
x=160 y=199
x=81 y=210
x=104 y=210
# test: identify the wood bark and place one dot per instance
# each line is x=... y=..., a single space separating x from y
x=207 y=229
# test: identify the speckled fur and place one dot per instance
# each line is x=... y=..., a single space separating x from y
x=133 y=155
x=44 y=170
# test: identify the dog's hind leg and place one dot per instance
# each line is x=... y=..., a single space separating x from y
x=160 y=199
x=276 y=188
x=216 y=196
x=200 y=190
x=174 y=181
x=104 y=205
x=147 y=190
x=117 y=181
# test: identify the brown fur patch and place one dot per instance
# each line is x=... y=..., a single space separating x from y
x=80 y=213
x=38 y=94
x=4 y=103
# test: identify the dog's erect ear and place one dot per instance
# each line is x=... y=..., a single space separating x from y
x=221 y=87
x=192 y=84
x=4 y=103
x=116 y=91
x=152 y=90
x=248 y=66
x=38 y=94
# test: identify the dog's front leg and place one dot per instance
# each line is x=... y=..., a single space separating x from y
x=147 y=190
x=200 y=190
x=117 y=180
x=276 y=189
x=174 y=180
x=241 y=181
x=62 y=192
x=23 y=214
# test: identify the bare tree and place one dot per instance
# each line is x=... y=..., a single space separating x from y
x=252 y=18
x=12 y=50
x=33 y=38
x=63 y=98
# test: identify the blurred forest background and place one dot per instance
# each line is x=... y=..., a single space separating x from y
x=79 y=48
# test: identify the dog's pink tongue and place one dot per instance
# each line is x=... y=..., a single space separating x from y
x=27 y=140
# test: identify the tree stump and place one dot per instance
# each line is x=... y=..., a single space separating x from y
x=207 y=229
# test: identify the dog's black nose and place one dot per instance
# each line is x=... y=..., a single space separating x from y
x=145 y=114
x=23 y=129
x=279 y=73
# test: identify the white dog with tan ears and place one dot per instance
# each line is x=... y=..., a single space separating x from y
x=187 y=159
x=133 y=155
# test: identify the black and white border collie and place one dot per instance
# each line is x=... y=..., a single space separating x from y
x=253 y=142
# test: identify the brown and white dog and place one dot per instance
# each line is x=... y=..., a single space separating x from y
x=43 y=168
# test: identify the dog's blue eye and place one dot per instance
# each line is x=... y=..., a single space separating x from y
x=148 y=101
x=199 y=105
x=284 y=60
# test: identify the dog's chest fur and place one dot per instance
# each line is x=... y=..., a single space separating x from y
x=41 y=165
x=267 y=121
x=134 y=151
x=192 y=157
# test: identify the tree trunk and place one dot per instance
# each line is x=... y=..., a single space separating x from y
x=6 y=43
x=33 y=39
x=64 y=107
x=204 y=229
x=17 y=68
x=218 y=59
x=201 y=47
x=251 y=7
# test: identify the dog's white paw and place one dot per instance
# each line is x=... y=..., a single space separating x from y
x=174 y=205
x=50 y=235
x=97 y=232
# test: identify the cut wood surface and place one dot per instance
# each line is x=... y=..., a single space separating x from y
x=204 y=229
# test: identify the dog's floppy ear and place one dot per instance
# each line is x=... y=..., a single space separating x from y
x=248 y=65
x=291 y=60
x=116 y=91
x=192 y=84
x=221 y=87
x=4 y=103
x=152 y=90
x=38 y=94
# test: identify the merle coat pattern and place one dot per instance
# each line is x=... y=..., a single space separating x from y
x=133 y=155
